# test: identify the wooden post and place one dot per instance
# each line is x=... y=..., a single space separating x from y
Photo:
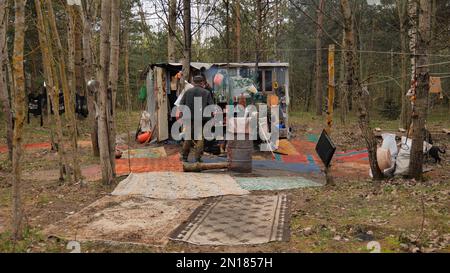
x=331 y=88
x=330 y=109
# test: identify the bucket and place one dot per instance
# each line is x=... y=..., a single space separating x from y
x=240 y=154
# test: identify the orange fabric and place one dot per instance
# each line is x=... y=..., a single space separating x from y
x=435 y=85
x=273 y=100
x=142 y=165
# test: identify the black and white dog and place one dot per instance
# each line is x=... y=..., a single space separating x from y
x=435 y=152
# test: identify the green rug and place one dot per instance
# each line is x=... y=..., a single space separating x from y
x=312 y=138
x=154 y=152
x=275 y=183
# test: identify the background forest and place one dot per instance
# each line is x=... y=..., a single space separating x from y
x=227 y=31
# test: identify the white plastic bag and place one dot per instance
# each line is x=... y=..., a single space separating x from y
x=186 y=88
x=404 y=156
x=145 y=122
x=390 y=144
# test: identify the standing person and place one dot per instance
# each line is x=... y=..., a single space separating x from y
x=188 y=99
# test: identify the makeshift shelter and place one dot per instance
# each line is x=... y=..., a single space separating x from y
x=231 y=83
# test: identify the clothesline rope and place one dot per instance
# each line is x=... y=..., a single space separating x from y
x=337 y=50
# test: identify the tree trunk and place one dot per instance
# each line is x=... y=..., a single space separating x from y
x=52 y=87
x=9 y=70
x=258 y=38
x=71 y=77
x=238 y=30
x=72 y=87
x=89 y=74
x=309 y=89
x=113 y=78
x=405 y=104
x=199 y=33
x=419 y=113
x=172 y=39
x=187 y=50
x=103 y=132
x=318 y=70
x=352 y=83
x=68 y=95
x=127 y=74
x=349 y=51
x=364 y=125
x=227 y=29
x=80 y=84
x=343 y=96
x=19 y=109
x=4 y=96
x=412 y=34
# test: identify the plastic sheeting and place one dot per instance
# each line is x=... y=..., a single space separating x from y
x=240 y=85
x=390 y=145
x=145 y=122
x=404 y=156
x=186 y=88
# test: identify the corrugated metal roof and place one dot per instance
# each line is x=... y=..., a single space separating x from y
x=254 y=64
x=199 y=65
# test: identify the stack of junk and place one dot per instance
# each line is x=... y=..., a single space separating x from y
x=239 y=149
x=393 y=158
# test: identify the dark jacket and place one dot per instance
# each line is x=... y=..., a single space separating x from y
x=196 y=92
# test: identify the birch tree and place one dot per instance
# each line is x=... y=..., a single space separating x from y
x=419 y=113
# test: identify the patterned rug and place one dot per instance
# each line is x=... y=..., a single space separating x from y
x=237 y=220
x=275 y=183
x=173 y=185
x=303 y=168
x=352 y=156
x=125 y=219
x=286 y=148
x=155 y=152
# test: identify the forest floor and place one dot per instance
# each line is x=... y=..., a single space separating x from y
x=402 y=215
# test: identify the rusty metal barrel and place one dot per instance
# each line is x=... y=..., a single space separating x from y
x=240 y=154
